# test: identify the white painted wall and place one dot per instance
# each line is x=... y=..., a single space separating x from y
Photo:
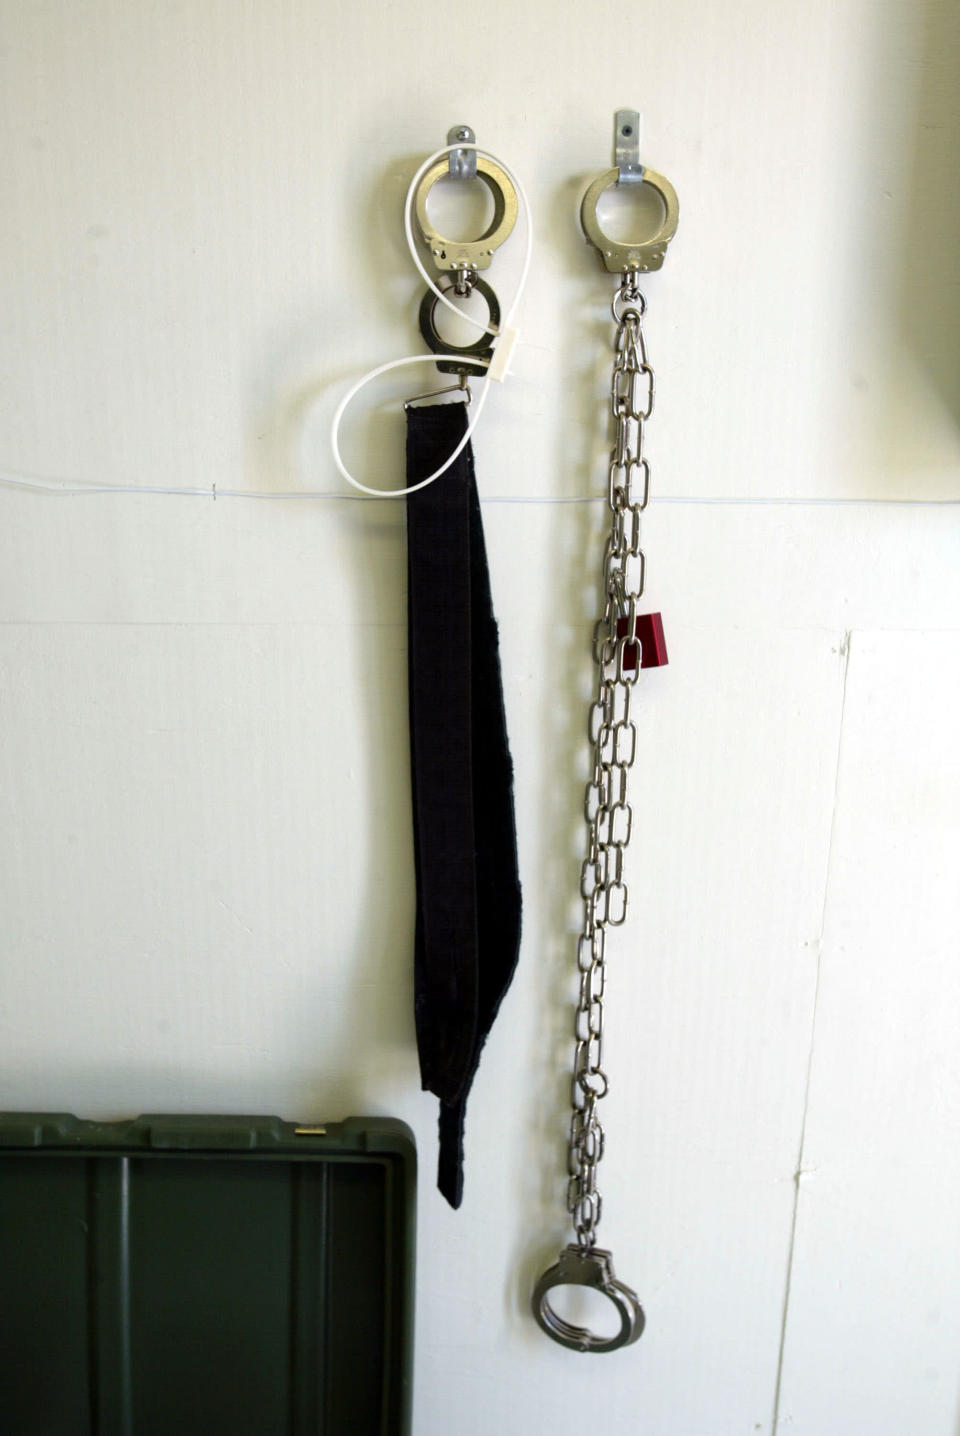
x=206 y=862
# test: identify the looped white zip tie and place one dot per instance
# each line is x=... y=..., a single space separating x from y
x=506 y=336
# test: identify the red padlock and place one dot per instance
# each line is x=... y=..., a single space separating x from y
x=652 y=644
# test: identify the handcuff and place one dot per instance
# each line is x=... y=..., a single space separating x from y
x=625 y=641
x=462 y=259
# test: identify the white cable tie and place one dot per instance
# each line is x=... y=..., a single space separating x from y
x=499 y=366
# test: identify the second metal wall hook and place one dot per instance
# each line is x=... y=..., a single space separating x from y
x=633 y=256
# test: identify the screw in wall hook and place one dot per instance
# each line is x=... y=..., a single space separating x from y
x=463 y=163
x=627 y=135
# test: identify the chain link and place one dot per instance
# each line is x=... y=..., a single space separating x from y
x=613 y=739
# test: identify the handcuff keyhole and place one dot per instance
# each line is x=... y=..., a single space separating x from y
x=630 y=213
x=460 y=209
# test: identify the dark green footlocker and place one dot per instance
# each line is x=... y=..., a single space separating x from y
x=186 y=1276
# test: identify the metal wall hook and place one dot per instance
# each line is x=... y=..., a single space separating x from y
x=642 y=255
x=463 y=163
x=627 y=135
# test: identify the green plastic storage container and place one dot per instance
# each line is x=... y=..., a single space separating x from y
x=187 y=1276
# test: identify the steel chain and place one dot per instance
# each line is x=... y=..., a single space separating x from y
x=613 y=739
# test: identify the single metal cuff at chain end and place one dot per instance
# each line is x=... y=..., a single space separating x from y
x=642 y=255
x=593 y=1268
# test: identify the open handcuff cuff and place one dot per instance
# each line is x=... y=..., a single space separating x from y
x=625 y=642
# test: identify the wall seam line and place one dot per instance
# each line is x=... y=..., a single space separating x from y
x=799 y=1170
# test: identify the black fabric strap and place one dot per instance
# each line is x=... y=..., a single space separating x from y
x=468 y=890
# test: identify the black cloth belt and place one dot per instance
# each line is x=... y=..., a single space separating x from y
x=468 y=890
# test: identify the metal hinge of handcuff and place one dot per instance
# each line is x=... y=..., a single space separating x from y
x=625 y=641
x=463 y=259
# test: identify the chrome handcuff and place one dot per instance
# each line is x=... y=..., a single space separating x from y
x=463 y=258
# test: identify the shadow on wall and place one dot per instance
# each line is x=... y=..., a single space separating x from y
x=929 y=289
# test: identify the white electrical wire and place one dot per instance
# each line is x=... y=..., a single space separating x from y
x=55 y=489
x=71 y=489
x=367 y=379
x=432 y=358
